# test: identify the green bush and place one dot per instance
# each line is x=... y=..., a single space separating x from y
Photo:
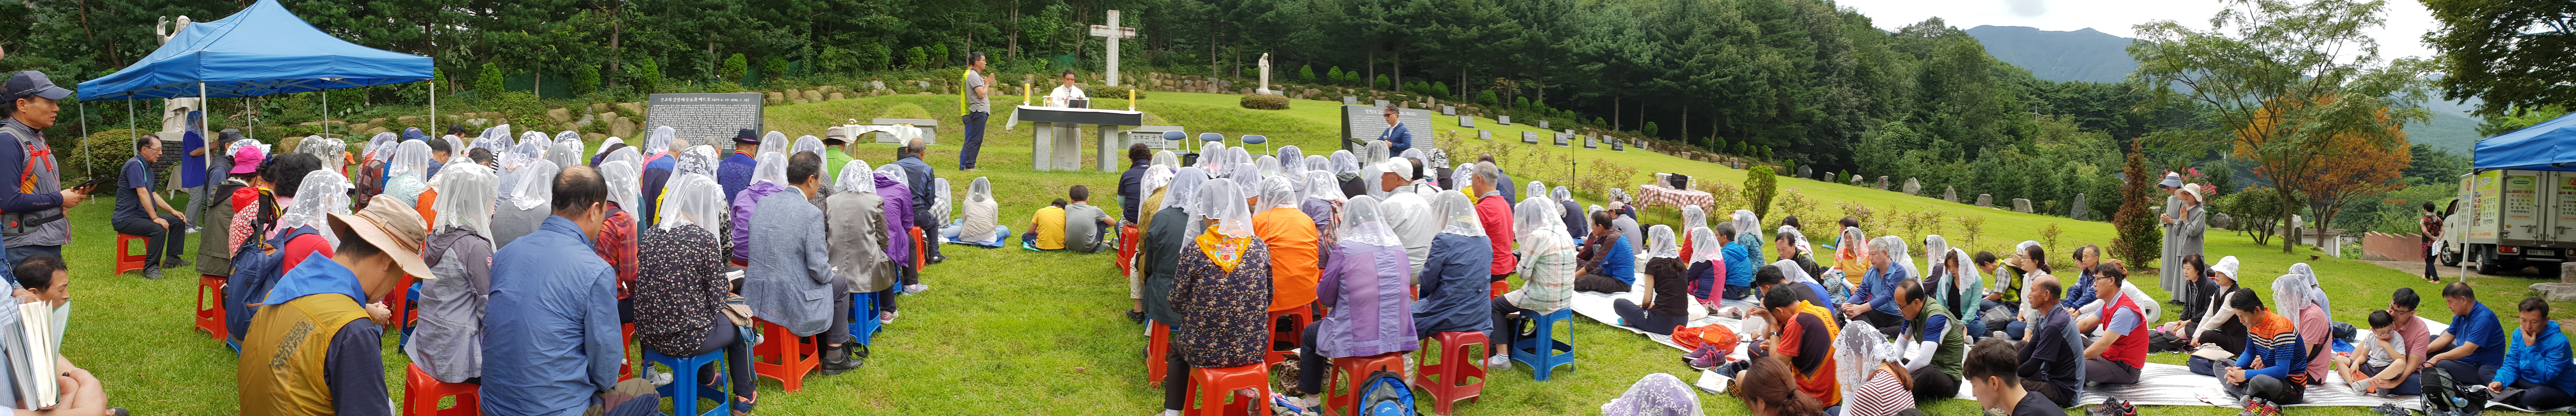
x=1306 y=74
x=585 y=79
x=488 y=81
x=1265 y=102
x=1486 y=97
x=734 y=67
x=1760 y=185
x=107 y=153
x=1105 y=93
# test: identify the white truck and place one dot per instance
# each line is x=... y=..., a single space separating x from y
x=2505 y=220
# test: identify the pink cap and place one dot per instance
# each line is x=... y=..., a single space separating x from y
x=246 y=160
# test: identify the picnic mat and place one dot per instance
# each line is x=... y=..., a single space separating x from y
x=2159 y=384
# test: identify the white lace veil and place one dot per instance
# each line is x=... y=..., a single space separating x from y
x=1278 y=192
x=323 y=193
x=1693 y=217
x=1458 y=215
x=1184 y=188
x=660 y=141
x=1659 y=238
x=772 y=168
x=1705 y=247
x=536 y=185
x=692 y=199
x=1320 y=185
x=1361 y=223
x=624 y=183
x=465 y=194
x=410 y=158
x=855 y=178
x=1223 y=202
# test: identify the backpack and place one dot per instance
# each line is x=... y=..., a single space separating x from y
x=256 y=268
x=2446 y=394
x=1385 y=394
x=2161 y=341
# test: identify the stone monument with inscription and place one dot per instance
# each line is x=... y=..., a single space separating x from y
x=2077 y=211
x=1828 y=177
x=1529 y=137
x=700 y=117
x=1882 y=182
x=1986 y=200
x=1950 y=193
x=2021 y=205
x=1913 y=188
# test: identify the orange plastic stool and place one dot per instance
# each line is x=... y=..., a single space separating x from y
x=1215 y=385
x=773 y=359
x=1498 y=290
x=1447 y=379
x=1158 y=345
x=421 y=394
x=400 y=305
x=627 y=371
x=1342 y=386
x=1293 y=334
x=125 y=261
x=210 y=311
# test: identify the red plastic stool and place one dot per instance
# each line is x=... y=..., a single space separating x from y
x=1498 y=290
x=627 y=371
x=400 y=304
x=125 y=261
x=1215 y=385
x=210 y=308
x=920 y=249
x=773 y=359
x=421 y=394
x=1447 y=379
x=1293 y=334
x=1158 y=345
x=1342 y=385
x=1127 y=235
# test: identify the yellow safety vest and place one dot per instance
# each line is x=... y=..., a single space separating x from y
x=280 y=369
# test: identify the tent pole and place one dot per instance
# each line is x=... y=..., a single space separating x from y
x=433 y=108
x=326 y=110
x=205 y=139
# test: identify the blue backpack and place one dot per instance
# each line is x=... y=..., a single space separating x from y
x=1385 y=394
x=256 y=268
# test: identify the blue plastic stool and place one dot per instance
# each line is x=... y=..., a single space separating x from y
x=1544 y=358
x=1251 y=139
x=684 y=390
x=863 y=317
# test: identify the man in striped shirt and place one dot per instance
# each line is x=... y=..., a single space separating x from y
x=2273 y=367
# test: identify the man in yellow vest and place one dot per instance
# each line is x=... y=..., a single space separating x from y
x=313 y=350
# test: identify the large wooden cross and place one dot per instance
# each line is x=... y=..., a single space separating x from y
x=1114 y=33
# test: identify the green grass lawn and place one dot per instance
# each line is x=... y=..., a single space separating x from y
x=1007 y=331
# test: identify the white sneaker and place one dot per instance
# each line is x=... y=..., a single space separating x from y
x=888 y=319
x=915 y=289
x=1500 y=362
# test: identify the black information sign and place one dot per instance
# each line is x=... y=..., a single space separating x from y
x=700 y=116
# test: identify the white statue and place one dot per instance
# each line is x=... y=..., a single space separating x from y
x=1265 y=74
x=172 y=30
x=174 y=111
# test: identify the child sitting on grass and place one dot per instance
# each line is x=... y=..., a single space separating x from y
x=2382 y=349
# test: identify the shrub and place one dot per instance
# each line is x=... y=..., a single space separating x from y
x=1334 y=75
x=1486 y=97
x=1760 y=185
x=2048 y=238
x=1721 y=195
x=1306 y=74
x=645 y=77
x=1101 y=93
x=1972 y=226
x=107 y=153
x=1383 y=81
x=1867 y=216
x=1650 y=129
x=488 y=80
x=585 y=79
x=1265 y=101
x=734 y=68
x=1601 y=175
x=1794 y=204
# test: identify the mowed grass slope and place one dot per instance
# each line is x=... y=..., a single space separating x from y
x=1008 y=331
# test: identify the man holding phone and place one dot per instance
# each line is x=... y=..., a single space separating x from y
x=31 y=212
x=136 y=211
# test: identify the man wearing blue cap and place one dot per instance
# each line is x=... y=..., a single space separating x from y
x=31 y=213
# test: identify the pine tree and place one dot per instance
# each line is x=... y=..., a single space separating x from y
x=2139 y=242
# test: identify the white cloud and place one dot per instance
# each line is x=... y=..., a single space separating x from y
x=2407 y=20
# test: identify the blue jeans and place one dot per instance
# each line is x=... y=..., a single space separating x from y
x=974 y=138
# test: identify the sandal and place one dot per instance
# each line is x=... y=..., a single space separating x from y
x=743 y=405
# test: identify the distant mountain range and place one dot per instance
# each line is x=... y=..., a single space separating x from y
x=2081 y=55
x=2090 y=55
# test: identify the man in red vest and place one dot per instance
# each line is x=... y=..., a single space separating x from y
x=2122 y=350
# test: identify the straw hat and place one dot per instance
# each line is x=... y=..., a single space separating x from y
x=392 y=227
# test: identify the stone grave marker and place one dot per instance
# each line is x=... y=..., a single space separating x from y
x=1449 y=110
x=1382 y=103
x=2077 y=211
x=703 y=115
x=1542 y=124
x=2222 y=221
x=1985 y=200
x=2021 y=205
x=1350 y=100
x=1828 y=177
x=1503 y=120
x=1950 y=193
x=1882 y=182
x=1855 y=180
x=1529 y=137
x=1469 y=122
x=1485 y=135
x=1913 y=188
x=1806 y=172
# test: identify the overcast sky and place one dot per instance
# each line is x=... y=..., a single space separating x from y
x=2402 y=37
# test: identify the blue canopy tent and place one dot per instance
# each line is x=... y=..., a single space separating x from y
x=2550 y=145
x=261 y=50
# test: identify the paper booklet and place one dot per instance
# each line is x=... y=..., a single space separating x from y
x=32 y=355
x=2214 y=353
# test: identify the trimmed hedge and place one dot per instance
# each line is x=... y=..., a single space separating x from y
x=1265 y=102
